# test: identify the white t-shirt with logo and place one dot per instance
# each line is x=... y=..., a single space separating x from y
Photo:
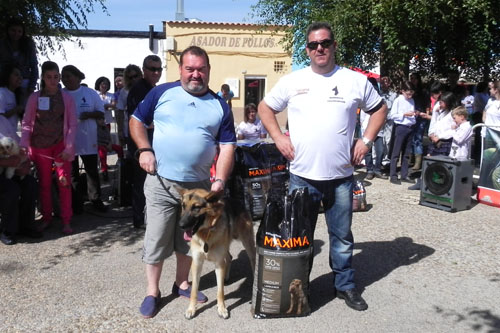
x=251 y=131
x=86 y=100
x=322 y=118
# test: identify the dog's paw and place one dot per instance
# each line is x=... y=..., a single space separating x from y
x=223 y=313
x=190 y=313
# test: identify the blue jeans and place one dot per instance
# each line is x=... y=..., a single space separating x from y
x=378 y=145
x=336 y=196
x=418 y=136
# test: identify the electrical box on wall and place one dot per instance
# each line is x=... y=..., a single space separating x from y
x=170 y=44
x=234 y=85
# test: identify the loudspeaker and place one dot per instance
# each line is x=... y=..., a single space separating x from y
x=446 y=183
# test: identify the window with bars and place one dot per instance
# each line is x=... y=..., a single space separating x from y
x=279 y=66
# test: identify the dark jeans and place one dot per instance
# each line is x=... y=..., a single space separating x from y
x=378 y=145
x=17 y=203
x=93 y=182
x=402 y=146
x=336 y=196
x=139 y=176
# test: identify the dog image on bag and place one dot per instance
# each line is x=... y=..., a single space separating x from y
x=298 y=300
x=212 y=223
x=8 y=147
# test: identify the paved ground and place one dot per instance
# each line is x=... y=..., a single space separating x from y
x=420 y=270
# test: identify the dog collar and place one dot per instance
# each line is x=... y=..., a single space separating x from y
x=205 y=247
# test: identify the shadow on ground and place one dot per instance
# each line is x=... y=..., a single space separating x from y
x=477 y=319
x=240 y=269
x=375 y=261
x=95 y=233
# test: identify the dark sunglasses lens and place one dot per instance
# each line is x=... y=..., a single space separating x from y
x=324 y=44
x=312 y=45
x=154 y=69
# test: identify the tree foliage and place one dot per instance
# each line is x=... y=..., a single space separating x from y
x=432 y=36
x=44 y=18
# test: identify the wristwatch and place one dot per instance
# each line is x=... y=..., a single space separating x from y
x=368 y=142
x=221 y=181
x=142 y=150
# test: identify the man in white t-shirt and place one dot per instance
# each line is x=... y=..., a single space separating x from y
x=322 y=102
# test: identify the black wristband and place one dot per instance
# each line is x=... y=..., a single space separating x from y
x=139 y=151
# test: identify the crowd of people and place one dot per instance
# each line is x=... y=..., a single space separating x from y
x=428 y=119
x=66 y=126
x=64 y=129
x=65 y=132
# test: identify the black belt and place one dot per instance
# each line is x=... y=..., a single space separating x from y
x=408 y=126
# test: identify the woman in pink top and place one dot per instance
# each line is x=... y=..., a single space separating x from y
x=48 y=132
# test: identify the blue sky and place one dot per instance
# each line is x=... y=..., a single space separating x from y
x=136 y=15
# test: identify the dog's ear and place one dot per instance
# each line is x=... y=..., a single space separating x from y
x=214 y=196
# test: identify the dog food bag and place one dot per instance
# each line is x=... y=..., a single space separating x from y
x=284 y=251
x=257 y=169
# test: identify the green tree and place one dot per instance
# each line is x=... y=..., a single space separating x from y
x=433 y=36
x=44 y=18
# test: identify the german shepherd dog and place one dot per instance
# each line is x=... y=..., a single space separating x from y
x=213 y=223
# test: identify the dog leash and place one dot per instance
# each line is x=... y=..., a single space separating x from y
x=198 y=224
x=167 y=189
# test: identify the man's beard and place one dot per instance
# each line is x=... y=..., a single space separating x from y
x=196 y=88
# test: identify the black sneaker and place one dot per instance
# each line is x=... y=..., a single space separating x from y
x=369 y=176
x=99 y=206
x=380 y=175
x=7 y=239
x=395 y=181
x=407 y=180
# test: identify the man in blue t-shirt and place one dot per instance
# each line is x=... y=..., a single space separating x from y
x=226 y=94
x=191 y=122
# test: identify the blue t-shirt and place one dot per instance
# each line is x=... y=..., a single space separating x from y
x=229 y=97
x=187 y=129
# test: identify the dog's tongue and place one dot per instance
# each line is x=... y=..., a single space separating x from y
x=188 y=234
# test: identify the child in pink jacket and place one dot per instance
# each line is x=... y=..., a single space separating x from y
x=48 y=133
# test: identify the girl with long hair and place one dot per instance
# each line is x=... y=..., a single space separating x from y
x=48 y=133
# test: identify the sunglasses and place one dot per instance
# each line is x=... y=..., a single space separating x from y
x=154 y=69
x=324 y=44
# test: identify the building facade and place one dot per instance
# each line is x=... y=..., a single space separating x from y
x=107 y=52
x=248 y=57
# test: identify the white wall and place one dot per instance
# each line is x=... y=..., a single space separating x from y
x=100 y=55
